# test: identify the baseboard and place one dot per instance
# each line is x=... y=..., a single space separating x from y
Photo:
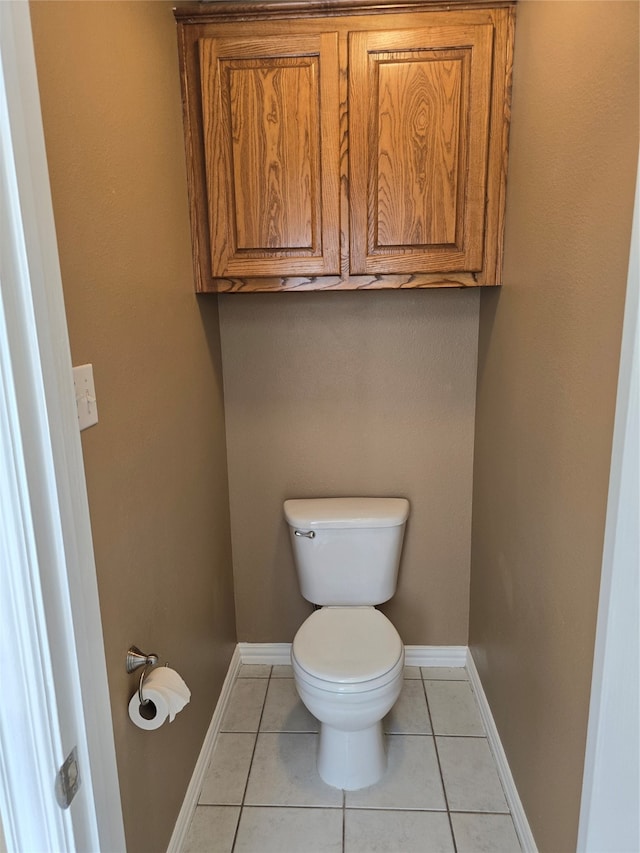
x=435 y=655
x=193 y=791
x=527 y=841
x=274 y=654
x=280 y=653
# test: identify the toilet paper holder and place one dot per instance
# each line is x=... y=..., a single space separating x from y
x=136 y=659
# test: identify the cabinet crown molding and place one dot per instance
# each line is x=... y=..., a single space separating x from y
x=243 y=10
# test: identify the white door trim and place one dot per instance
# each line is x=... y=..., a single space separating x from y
x=611 y=784
x=52 y=651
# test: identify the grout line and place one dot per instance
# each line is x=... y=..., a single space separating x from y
x=432 y=734
x=255 y=744
x=492 y=813
x=235 y=833
x=325 y=807
x=315 y=807
x=412 y=809
x=435 y=746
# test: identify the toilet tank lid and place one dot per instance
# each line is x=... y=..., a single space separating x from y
x=318 y=513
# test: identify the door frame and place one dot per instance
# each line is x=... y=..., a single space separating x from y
x=611 y=781
x=52 y=655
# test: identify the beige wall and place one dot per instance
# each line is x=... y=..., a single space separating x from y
x=549 y=347
x=369 y=393
x=155 y=463
x=351 y=393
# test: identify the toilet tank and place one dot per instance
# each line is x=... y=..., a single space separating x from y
x=347 y=550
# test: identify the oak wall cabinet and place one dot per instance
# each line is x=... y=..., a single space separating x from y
x=346 y=145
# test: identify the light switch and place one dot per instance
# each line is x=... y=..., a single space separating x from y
x=85 y=396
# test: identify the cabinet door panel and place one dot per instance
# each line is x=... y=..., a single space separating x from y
x=274 y=158
x=270 y=123
x=418 y=151
x=418 y=130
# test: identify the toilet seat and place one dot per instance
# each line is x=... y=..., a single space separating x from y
x=347 y=650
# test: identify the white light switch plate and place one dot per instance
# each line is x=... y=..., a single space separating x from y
x=85 y=396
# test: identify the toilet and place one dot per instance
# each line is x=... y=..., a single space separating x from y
x=347 y=657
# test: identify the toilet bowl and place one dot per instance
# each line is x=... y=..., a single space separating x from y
x=348 y=665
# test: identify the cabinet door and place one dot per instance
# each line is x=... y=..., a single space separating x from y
x=419 y=103
x=270 y=110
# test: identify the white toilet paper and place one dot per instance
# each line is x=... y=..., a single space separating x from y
x=167 y=694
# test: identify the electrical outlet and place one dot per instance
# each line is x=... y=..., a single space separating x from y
x=85 y=396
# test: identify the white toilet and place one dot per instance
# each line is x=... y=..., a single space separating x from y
x=348 y=659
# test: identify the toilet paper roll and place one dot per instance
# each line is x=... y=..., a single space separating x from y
x=165 y=694
x=150 y=715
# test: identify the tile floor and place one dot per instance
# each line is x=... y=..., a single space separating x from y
x=441 y=791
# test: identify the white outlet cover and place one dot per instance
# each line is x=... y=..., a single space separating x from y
x=85 y=395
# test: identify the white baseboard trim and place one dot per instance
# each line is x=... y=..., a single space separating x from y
x=527 y=841
x=435 y=655
x=193 y=791
x=277 y=654
x=274 y=654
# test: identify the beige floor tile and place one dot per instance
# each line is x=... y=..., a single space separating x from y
x=289 y=809
x=444 y=673
x=411 y=781
x=485 y=833
x=254 y=670
x=409 y=715
x=245 y=705
x=228 y=771
x=212 y=830
x=286 y=830
x=470 y=776
x=380 y=831
x=412 y=672
x=284 y=773
x=284 y=711
x=453 y=708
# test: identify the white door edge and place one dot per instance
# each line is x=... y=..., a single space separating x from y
x=52 y=648
x=609 y=817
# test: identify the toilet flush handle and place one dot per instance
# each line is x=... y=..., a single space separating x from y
x=308 y=534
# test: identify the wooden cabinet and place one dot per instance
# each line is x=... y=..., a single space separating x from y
x=334 y=145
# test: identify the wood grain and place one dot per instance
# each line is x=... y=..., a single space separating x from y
x=274 y=155
x=270 y=127
x=419 y=147
x=418 y=151
x=228 y=11
x=308 y=241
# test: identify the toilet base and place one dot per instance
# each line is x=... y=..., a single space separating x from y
x=351 y=760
